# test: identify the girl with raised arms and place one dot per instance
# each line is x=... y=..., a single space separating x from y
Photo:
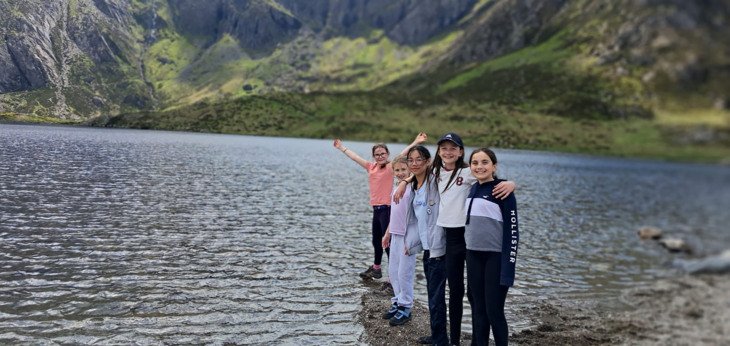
x=380 y=180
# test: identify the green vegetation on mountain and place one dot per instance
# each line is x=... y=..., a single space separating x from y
x=626 y=78
x=34 y=119
x=388 y=117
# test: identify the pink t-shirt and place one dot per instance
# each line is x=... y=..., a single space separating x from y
x=381 y=183
x=399 y=214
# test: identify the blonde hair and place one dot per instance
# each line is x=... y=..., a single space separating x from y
x=400 y=159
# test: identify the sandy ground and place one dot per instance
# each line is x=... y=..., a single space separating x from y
x=688 y=310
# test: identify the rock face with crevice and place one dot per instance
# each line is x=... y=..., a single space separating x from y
x=56 y=49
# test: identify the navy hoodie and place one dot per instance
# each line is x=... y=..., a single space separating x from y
x=491 y=225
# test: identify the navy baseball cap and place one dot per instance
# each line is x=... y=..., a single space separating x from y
x=453 y=138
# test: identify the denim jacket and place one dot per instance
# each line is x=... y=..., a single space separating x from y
x=436 y=236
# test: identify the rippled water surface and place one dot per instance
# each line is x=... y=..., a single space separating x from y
x=124 y=236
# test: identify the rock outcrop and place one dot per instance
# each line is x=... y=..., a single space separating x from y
x=27 y=58
x=258 y=26
x=71 y=48
x=409 y=22
x=676 y=43
x=505 y=26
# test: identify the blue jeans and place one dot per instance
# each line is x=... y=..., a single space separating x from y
x=435 y=269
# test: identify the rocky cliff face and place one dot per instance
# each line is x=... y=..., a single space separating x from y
x=262 y=25
x=79 y=58
x=614 y=58
x=258 y=25
x=27 y=56
x=90 y=54
x=67 y=48
x=505 y=26
x=679 y=46
x=410 y=22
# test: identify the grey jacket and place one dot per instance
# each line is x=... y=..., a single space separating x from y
x=436 y=237
x=413 y=241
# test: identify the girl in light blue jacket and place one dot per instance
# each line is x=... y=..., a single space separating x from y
x=422 y=215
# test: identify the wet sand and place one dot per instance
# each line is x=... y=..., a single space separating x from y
x=687 y=310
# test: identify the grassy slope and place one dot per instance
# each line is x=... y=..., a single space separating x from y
x=387 y=117
x=33 y=119
x=185 y=74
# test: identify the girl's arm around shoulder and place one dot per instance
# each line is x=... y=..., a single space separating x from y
x=504 y=189
x=400 y=190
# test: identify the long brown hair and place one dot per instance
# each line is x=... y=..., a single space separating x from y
x=438 y=164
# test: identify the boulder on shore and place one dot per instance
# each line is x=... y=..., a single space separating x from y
x=649 y=232
x=675 y=245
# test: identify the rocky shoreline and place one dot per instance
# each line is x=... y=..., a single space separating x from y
x=686 y=310
x=377 y=330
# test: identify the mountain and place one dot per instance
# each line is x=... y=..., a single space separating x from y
x=663 y=60
x=78 y=58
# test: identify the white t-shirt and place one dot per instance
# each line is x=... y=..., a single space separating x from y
x=452 y=211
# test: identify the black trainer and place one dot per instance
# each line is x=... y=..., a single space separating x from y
x=401 y=317
x=425 y=340
x=372 y=273
x=391 y=312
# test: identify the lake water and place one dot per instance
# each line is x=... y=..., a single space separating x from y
x=124 y=236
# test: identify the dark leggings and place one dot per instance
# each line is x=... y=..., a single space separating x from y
x=483 y=271
x=455 y=259
x=434 y=268
x=381 y=218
